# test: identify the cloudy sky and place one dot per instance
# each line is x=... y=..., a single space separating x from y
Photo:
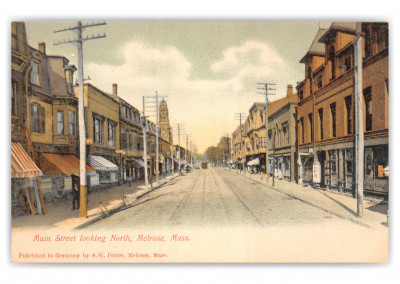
x=208 y=70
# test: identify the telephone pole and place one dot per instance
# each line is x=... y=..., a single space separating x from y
x=152 y=104
x=359 y=127
x=239 y=116
x=180 y=128
x=266 y=89
x=143 y=120
x=78 y=42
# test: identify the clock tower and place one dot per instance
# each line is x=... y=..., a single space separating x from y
x=165 y=128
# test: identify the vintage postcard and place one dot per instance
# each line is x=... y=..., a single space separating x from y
x=199 y=142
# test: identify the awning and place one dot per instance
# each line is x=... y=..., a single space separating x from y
x=61 y=164
x=176 y=160
x=254 y=162
x=140 y=163
x=102 y=164
x=22 y=165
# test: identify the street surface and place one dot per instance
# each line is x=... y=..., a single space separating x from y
x=216 y=197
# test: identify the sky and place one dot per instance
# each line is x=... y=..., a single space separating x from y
x=208 y=70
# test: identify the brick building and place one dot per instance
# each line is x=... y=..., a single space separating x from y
x=326 y=107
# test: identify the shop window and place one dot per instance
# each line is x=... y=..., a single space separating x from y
x=14 y=98
x=35 y=73
x=71 y=122
x=60 y=122
x=368 y=108
x=349 y=114
x=333 y=116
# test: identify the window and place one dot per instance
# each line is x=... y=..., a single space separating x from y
x=111 y=134
x=319 y=82
x=301 y=95
x=302 y=130
x=14 y=98
x=321 y=123
x=347 y=63
x=333 y=115
x=368 y=108
x=349 y=114
x=34 y=74
x=310 y=123
x=60 y=122
x=332 y=60
x=124 y=143
x=130 y=141
x=98 y=129
x=367 y=43
x=37 y=118
x=262 y=117
x=71 y=123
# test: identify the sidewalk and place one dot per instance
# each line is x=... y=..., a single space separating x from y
x=333 y=202
x=101 y=203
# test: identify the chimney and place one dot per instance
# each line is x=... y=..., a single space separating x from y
x=289 y=91
x=42 y=47
x=114 y=89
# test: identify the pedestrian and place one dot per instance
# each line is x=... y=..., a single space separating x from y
x=150 y=181
x=75 y=196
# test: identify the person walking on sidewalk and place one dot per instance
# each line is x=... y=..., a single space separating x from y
x=75 y=196
x=150 y=181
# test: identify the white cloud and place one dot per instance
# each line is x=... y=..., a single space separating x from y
x=205 y=106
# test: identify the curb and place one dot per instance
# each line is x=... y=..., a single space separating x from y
x=122 y=204
x=312 y=204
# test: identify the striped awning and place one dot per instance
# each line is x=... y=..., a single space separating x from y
x=140 y=163
x=22 y=165
x=102 y=164
x=254 y=162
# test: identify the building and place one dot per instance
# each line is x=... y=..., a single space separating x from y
x=131 y=140
x=326 y=108
x=102 y=118
x=238 y=147
x=166 y=138
x=282 y=133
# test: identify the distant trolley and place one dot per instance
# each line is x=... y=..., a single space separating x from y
x=204 y=165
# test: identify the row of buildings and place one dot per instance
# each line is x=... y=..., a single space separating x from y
x=315 y=125
x=45 y=136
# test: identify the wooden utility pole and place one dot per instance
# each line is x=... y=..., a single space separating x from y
x=78 y=29
x=266 y=89
x=359 y=127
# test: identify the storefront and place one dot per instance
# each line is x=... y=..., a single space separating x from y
x=25 y=194
x=58 y=170
x=107 y=171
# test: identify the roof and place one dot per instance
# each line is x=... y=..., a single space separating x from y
x=316 y=48
x=348 y=27
x=61 y=164
x=102 y=164
x=22 y=165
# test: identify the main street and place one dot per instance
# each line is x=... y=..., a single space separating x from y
x=216 y=197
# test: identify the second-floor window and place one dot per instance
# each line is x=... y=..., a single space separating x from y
x=98 y=129
x=368 y=108
x=60 y=122
x=349 y=114
x=310 y=123
x=302 y=130
x=34 y=74
x=14 y=99
x=111 y=134
x=38 y=118
x=333 y=116
x=321 y=123
x=71 y=123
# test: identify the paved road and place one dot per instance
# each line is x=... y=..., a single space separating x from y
x=215 y=197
